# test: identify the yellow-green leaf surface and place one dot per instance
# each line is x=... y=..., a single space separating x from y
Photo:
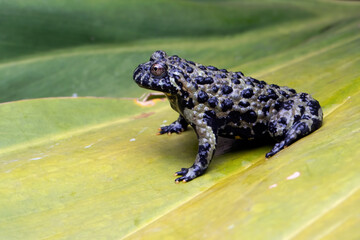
x=94 y=168
x=310 y=190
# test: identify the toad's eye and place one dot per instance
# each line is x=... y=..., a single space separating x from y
x=158 y=69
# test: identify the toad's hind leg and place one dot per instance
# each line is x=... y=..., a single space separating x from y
x=307 y=118
x=297 y=131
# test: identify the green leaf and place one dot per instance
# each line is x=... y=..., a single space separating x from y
x=93 y=168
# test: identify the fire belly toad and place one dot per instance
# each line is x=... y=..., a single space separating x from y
x=217 y=102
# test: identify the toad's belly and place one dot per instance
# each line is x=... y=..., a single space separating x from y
x=259 y=130
x=236 y=132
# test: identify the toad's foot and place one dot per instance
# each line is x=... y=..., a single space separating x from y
x=172 y=128
x=177 y=126
x=278 y=146
x=189 y=174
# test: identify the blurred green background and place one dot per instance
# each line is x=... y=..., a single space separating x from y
x=90 y=48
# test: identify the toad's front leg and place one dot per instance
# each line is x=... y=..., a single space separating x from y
x=207 y=137
x=177 y=126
